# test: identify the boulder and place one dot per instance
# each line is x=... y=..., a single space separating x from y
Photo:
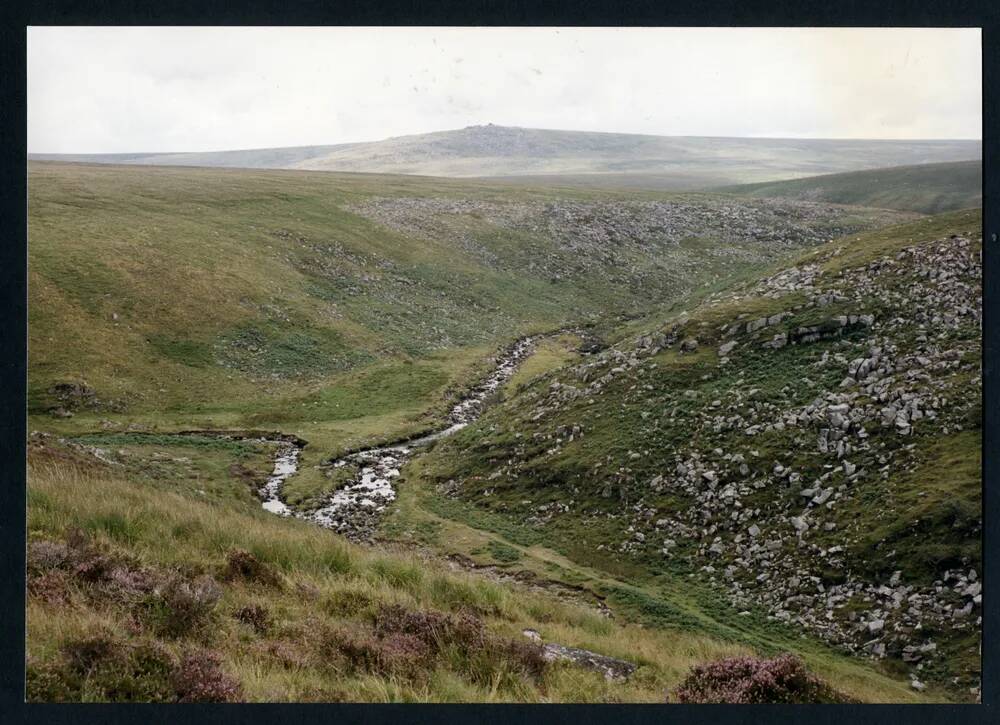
x=612 y=669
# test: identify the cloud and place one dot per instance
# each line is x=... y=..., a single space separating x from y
x=197 y=89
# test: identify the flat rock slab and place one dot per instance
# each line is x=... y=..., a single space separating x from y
x=611 y=668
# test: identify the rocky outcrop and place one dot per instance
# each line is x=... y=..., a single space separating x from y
x=613 y=669
x=876 y=360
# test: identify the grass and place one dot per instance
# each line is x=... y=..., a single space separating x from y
x=325 y=584
x=662 y=604
x=549 y=354
x=174 y=531
x=213 y=298
x=194 y=299
x=938 y=507
x=926 y=188
x=513 y=464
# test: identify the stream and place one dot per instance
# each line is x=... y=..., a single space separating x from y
x=355 y=509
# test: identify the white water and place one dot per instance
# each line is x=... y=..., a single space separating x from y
x=354 y=509
x=286 y=463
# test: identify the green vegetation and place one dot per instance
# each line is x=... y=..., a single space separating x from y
x=212 y=298
x=321 y=305
x=550 y=354
x=664 y=603
x=503 y=553
x=927 y=188
x=572 y=468
x=937 y=510
x=296 y=618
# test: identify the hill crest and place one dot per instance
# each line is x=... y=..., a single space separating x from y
x=492 y=150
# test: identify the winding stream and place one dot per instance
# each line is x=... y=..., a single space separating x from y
x=355 y=509
x=286 y=463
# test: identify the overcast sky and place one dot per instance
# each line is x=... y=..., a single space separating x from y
x=200 y=89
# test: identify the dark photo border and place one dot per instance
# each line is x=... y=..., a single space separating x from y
x=13 y=330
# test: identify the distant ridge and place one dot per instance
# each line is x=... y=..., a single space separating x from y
x=491 y=151
x=927 y=188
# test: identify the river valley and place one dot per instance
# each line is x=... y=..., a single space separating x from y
x=355 y=509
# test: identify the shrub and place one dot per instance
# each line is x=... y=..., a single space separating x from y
x=182 y=607
x=45 y=555
x=87 y=654
x=402 y=654
x=200 y=678
x=284 y=653
x=752 y=680
x=52 y=587
x=501 y=663
x=464 y=636
x=102 y=667
x=76 y=556
x=527 y=658
x=152 y=667
x=52 y=565
x=436 y=629
x=124 y=583
x=48 y=682
x=242 y=565
x=255 y=615
x=396 y=653
x=89 y=565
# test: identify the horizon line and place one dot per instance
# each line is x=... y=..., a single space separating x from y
x=486 y=125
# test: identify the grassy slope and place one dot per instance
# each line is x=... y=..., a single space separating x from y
x=549 y=354
x=927 y=188
x=510 y=473
x=191 y=298
x=153 y=514
x=154 y=285
x=326 y=584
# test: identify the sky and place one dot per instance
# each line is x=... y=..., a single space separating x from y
x=132 y=89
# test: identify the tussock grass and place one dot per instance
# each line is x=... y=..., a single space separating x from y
x=329 y=582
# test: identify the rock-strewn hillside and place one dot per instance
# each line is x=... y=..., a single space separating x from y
x=204 y=337
x=633 y=245
x=150 y=284
x=809 y=445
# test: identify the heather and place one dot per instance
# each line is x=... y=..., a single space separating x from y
x=754 y=681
